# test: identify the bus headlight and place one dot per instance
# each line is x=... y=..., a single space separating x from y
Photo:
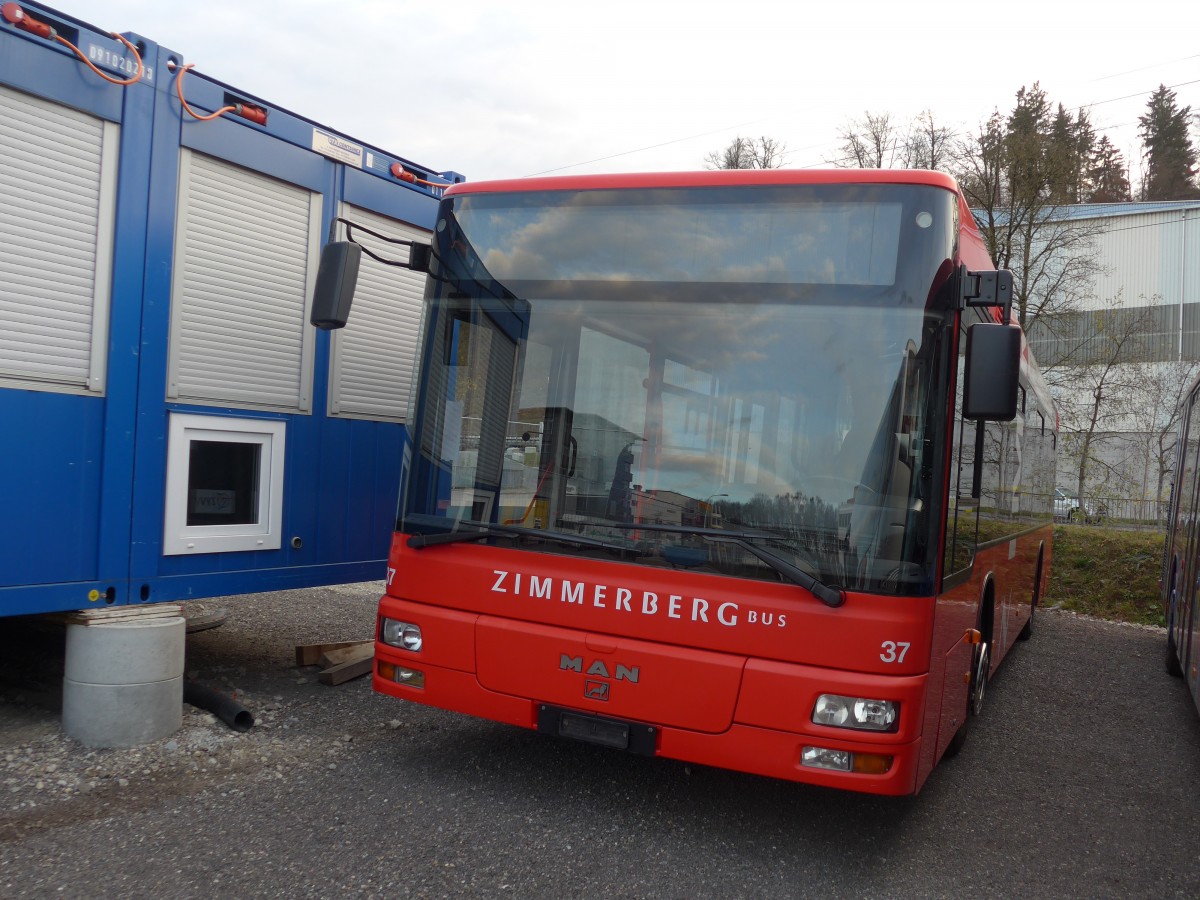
x=404 y=635
x=856 y=712
x=831 y=710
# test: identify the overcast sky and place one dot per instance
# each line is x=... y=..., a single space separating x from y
x=496 y=90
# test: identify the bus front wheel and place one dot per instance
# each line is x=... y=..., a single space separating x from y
x=980 y=662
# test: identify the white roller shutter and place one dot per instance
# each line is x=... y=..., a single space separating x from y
x=245 y=253
x=371 y=366
x=58 y=172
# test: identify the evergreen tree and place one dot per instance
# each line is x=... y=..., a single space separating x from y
x=1085 y=147
x=1068 y=145
x=1108 y=175
x=1170 y=171
x=1026 y=139
x=1016 y=170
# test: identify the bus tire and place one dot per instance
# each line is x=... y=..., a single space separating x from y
x=1026 y=632
x=976 y=694
x=1174 y=669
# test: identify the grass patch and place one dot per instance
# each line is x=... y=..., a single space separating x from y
x=1107 y=572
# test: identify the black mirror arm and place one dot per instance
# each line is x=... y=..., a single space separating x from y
x=419 y=253
x=988 y=287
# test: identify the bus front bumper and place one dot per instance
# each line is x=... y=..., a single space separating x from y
x=769 y=734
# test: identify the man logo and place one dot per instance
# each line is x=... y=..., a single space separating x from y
x=599 y=669
x=596 y=690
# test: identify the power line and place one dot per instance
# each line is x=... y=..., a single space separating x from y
x=1139 y=94
x=650 y=147
x=1145 y=68
x=693 y=137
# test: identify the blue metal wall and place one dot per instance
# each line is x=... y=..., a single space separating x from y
x=84 y=477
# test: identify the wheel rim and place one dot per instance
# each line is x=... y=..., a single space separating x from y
x=979 y=680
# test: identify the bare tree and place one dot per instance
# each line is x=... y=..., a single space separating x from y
x=767 y=153
x=876 y=142
x=735 y=156
x=747 y=153
x=1159 y=389
x=928 y=145
x=1098 y=395
x=871 y=142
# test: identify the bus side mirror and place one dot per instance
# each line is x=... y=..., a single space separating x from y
x=992 y=372
x=337 y=277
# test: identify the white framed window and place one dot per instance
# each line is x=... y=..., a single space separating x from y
x=224 y=484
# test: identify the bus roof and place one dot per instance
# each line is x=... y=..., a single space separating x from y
x=645 y=180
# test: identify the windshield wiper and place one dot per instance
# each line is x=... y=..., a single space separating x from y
x=830 y=596
x=418 y=541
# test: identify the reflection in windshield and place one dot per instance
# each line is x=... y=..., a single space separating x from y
x=650 y=235
x=803 y=423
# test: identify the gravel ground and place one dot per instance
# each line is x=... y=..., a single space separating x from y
x=250 y=658
x=1074 y=783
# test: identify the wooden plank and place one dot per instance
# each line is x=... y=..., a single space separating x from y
x=116 y=614
x=120 y=612
x=353 y=669
x=346 y=654
x=310 y=654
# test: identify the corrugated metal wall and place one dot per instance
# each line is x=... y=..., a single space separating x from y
x=1149 y=275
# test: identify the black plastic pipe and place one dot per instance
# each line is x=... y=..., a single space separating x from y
x=224 y=708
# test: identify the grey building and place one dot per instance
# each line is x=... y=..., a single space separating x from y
x=1126 y=345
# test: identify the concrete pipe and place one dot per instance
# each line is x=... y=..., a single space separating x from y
x=123 y=682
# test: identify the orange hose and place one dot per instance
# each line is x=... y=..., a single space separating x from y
x=190 y=111
x=398 y=171
x=87 y=62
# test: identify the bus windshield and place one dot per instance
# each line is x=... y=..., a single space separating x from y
x=711 y=379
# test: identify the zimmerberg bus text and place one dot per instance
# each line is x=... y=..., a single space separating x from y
x=620 y=599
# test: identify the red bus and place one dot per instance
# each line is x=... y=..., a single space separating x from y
x=744 y=468
x=1181 y=577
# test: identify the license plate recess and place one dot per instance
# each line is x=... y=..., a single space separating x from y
x=592 y=729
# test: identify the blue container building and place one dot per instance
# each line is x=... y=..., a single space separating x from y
x=172 y=426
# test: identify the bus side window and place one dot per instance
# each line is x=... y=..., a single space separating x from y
x=962 y=516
